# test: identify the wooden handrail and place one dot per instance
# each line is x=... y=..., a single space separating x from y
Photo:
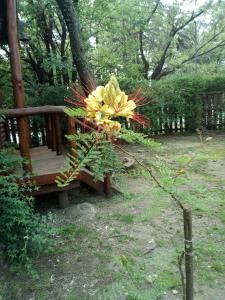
x=52 y=123
x=32 y=111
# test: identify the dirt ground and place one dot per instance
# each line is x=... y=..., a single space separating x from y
x=127 y=247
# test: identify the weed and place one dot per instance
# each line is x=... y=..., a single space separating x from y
x=125 y=218
x=73 y=229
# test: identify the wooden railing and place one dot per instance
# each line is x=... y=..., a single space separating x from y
x=50 y=130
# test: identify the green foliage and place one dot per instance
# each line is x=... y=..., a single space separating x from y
x=44 y=94
x=73 y=229
x=181 y=96
x=22 y=232
x=75 y=112
x=198 y=45
x=94 y=152
x=125 y=218
x=130 y=137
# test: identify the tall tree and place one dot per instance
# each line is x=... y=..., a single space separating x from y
x=77 y=49
x=151 y=39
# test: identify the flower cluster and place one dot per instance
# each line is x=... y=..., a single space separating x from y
x=107 y=103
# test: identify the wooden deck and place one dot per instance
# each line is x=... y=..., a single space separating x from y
x=47 y=165
x=45 y=161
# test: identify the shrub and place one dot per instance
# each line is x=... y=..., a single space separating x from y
x=22 y=232
x=181 y=96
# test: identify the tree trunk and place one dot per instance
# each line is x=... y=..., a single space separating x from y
x=64 y=59
x=71 y=19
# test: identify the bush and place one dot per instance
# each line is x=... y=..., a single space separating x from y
x=181 y=96
x=22 y=232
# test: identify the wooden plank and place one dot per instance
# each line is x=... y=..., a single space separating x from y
x=84 y=176
x=45 y=161
x=53 y=188
x=46 y=179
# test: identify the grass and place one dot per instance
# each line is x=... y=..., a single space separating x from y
x=124 y=217
x=210 y=260
x=92 y=251
x=73 y=229
x=152 y=211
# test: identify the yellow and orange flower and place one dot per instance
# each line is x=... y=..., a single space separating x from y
x=107 y=103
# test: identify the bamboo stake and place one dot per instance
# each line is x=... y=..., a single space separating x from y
x=188 y=243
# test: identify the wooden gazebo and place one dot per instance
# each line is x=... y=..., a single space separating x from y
x=45 y=161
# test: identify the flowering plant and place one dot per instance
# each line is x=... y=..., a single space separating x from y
x=104 y=107
x=106 y=104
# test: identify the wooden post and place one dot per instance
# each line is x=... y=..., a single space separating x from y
x=17 y=82
x=63 y=199
x=72 y=130
x=53 y=133
x=107 y=186
x=58 y=134
x=50 y=132
x=46 y=130
x=187 y=215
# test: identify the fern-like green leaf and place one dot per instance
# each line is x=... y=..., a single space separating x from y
x=75 y=112
x=130 y=136
x=93 y=151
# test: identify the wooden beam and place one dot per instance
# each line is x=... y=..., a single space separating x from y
x=87 y=178
x=18 y=89
x=45 y=179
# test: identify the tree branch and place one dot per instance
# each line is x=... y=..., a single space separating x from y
x=174 y=30
x=194 y=56
x=141 y=33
